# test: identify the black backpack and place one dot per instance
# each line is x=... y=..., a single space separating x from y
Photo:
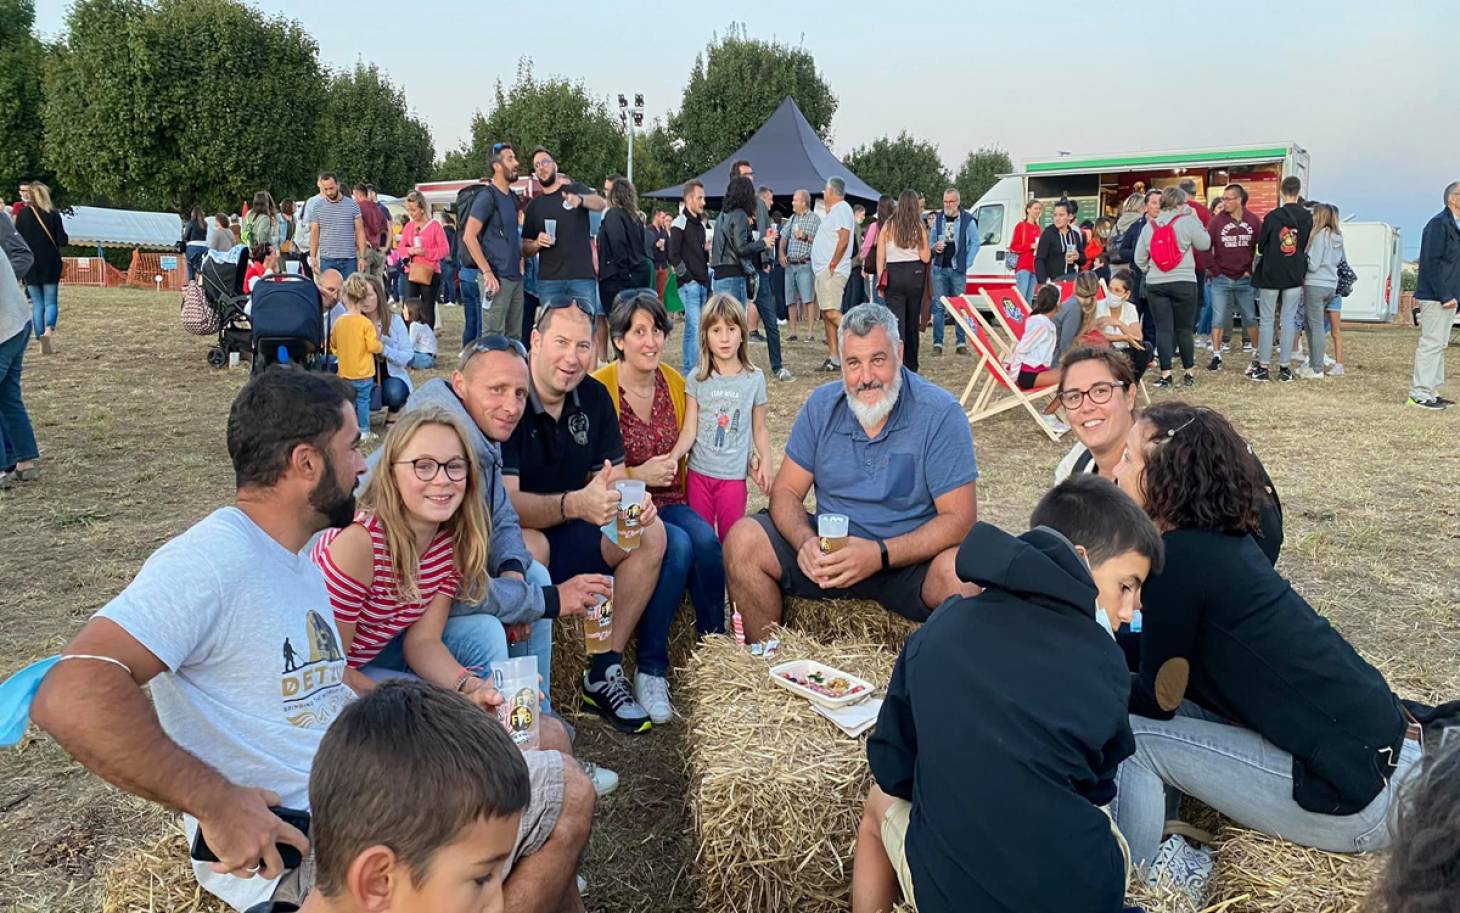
x=466 y=197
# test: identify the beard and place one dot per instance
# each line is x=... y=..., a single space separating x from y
x=550 y=180
x=331 y=501
x=874 y=414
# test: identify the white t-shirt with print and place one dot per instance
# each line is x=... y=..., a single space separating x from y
x=824 y=245
x=255 y=673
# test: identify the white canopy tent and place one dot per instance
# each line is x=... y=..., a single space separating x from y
x=87 y=225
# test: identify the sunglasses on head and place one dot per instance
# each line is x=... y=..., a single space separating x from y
x=558 y=304
x=493 y=342
x=498 y=147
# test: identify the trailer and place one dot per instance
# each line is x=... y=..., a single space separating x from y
x=1100 y=183
x=1374 y=251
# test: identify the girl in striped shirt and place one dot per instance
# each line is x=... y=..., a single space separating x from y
x=419 y=541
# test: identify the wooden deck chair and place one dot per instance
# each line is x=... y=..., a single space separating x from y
x=997 y=390
x=966 y=316
x=1009 y=309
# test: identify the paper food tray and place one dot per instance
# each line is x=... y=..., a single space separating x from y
x=858 y=689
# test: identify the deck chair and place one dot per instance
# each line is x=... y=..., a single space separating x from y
x=966 y=316
x=1010 y=310
x=997 y=391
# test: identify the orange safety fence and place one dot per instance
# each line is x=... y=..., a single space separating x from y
x=92 y=271
x=148 y=268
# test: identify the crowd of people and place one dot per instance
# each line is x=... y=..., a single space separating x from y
x=544 y=480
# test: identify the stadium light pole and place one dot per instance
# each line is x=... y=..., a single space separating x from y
x=631 y=117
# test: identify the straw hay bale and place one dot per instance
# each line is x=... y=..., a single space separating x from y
x=775 y=791
x=570 y=658
x=155 y=877
x=827 y=620
x=1256 y=873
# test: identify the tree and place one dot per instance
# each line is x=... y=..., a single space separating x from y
x=900 y=163
x=736 y=84
x=585 y=140
x=980 y=171
x=367 y=135
x=21 y=94
x=457 y=165
x=161 y=106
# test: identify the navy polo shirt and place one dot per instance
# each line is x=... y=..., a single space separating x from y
x=885 y=485
x=551 y=455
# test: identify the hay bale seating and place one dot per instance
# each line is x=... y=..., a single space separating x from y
x=156 y=878
x=827 y=620
x=775 y=791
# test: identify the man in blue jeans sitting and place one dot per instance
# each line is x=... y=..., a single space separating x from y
x=954 y=240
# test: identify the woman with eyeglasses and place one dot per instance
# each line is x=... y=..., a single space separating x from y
x=1247 y=699
x=419 y=541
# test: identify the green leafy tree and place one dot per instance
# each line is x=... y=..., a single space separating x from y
x=895 y=164
x=736 y=84
x=980 y=171
x=457 y=165
x=587 y=141
x=160 y=106
x=21 y=92
x=366 y=134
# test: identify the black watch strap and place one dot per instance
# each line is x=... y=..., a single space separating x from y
x=886 y=561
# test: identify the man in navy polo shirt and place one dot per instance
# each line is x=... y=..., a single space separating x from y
x=891 y=451
x=559 y=467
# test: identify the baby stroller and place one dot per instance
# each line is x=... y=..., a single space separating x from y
x=288 y=327
x=221 y=278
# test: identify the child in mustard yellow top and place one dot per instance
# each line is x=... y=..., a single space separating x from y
x=356 y=344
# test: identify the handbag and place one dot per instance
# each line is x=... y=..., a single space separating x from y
x=421 y=271
x=197 y=317
x=1346 y=279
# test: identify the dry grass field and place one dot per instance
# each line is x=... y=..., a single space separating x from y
x=130 y=421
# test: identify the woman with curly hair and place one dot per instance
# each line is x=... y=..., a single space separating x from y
x=1422 y=873
x=1247 y=699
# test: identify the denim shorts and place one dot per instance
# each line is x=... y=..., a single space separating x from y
x=800 y=284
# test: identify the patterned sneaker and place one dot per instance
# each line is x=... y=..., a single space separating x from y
x=1180 y=865
x=1433 y=404
x=1258 y=372
x=1215 y=364
x=652 y=693
x=604 y=780
x=612 y=700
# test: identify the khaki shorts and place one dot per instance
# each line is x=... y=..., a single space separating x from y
x=894 y=840
x=829 y=288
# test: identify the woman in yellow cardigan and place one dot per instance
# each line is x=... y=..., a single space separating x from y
x=649 y=398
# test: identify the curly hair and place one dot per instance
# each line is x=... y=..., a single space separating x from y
x=1199 y=472
x=739 y=194
x=1422 y=873
x=621 y=194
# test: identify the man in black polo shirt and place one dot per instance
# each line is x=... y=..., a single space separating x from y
x=559 y=467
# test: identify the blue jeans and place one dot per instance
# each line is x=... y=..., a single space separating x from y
x=1204 y=312
x=42 y=307
x=345 y=265
x=1231 y=296
x=447 y=289
x=674 y=573
x=693 y=544
x=363 y=390
x=1024 y=281
x=585 y=290
x=765 y=306
x=948 y=282
x=421 y=361
x=15 y=430
x=693 y=295
x=478 y=640
x=470 y=279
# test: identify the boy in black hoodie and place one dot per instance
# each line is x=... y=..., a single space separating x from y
x=1006 y=719
x=1278 y=274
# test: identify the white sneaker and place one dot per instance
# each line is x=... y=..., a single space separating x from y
x=1307 y=373
x=652 y=693
x=604 y=780
x=1336 y=370
x=1054 y=424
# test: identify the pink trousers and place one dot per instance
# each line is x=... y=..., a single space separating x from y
x=719 y=502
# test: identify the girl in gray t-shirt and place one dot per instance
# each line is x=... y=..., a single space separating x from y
x=724 y=413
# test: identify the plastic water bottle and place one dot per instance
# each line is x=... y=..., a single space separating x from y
x=1135 y=622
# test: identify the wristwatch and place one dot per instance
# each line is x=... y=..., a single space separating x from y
x=886 y=562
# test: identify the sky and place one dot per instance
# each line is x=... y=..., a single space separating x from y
x=1370 y=89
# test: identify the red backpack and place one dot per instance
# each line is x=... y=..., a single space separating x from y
x=1166 y=252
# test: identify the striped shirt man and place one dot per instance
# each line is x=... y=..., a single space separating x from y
x=336 y=222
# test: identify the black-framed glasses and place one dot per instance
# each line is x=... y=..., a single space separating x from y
x=494 y=342
x=1099 y=394
x=427 y=469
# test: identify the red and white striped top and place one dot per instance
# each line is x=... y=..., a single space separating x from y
x=375 y=609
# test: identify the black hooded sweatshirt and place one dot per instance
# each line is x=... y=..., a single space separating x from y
x=1004 y=724
x=1283 y=247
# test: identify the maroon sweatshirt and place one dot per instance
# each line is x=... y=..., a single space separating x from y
x=1234 y=241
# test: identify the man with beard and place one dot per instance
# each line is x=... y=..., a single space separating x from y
x=889 y=450
x=564 y=253
x=209 y=622
x=492 y=238
x=336 y=231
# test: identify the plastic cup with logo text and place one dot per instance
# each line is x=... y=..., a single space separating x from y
x=630 y=505
x=516 y=680
x=831 y=529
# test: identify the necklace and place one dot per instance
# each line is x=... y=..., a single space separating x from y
x=648 y=395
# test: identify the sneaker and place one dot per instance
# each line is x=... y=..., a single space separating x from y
x=1247 y=348
x=1444 y=402
x=582 y=886
x=937 y=348
x=1164 y=383
x=604 y=780
x=1188 y=380
x=962 y=350
x=780 y=323
x=612 y=700
x=785 y=374
x=755 y=336
x=1307 y=373
x=1184 y=867
x=1215 y=364
x=652 y=693
x=1258 y=372
x=7 y=480
x=1434 y=404
x=1285 y=375
x=830 y=365
x=1053 y=423
x=1336 y=370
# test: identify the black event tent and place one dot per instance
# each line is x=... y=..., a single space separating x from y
x=787 y=155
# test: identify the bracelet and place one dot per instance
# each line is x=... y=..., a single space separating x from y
x=461 y=678
x=563 y=506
